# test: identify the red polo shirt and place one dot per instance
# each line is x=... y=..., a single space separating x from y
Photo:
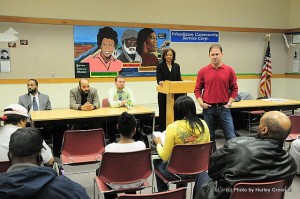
x=216 y=85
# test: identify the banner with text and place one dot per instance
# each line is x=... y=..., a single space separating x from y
x=188 y=36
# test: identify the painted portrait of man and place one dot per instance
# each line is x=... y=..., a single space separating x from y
x=129 y=42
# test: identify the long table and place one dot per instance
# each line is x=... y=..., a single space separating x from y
x=238 y=108
x=70 y=115
x=266 y=104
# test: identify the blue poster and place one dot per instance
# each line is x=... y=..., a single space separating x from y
x=187 y=36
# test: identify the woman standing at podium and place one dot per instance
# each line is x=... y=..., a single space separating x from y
x=167 y=70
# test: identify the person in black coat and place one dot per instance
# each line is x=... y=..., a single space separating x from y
x=167 y=70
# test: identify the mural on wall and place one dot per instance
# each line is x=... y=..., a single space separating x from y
x=107 y=51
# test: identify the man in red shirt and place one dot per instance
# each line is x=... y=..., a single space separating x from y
x=216 y=88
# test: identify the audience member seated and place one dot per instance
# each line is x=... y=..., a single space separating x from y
x=84 y=98
x=247 y=159
x=26 y=178
x=15 y=117
x=119 y=96
x=295 y=152
x=187 y=129
x=127 y=128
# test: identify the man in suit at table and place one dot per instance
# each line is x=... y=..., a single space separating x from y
x=36 y=101
x=84 y=98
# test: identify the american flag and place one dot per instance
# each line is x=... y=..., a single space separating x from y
x=265 y=82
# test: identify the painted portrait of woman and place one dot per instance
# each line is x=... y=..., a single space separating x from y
x=147 y=47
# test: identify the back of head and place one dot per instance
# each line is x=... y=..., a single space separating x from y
x=274 y=124
x=14 y=114
x=185 y=108
x=25 y=142
x=126 y=124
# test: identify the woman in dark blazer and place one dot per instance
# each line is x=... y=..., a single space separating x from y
x=167 y=70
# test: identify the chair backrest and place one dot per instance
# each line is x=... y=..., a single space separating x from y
x=295 y=120
x=83 y=142
x=127 y=167
x=4 y=165
x=253 y=190
x=172 y=194
x=190 y=159
x=105 y=102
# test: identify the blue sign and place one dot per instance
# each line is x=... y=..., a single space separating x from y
x=194 y=36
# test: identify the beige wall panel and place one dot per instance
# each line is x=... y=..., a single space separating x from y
x=294 y=14
x=229 y=13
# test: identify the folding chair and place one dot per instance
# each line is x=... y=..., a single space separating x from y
x=173 y=194
x=82 y=146
x=257 y=190
x=187 y=160
x=123 y=172
x=4 y=165
x=105 y=102
x=254 y=116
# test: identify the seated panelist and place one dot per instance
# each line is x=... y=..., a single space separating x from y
x=36 y=101
x=85 y=98
x=118 y=96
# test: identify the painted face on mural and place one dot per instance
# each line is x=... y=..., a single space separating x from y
x=130 y=45
x=151 y=42
x=107 y=47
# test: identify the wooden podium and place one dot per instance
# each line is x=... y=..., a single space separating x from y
x=174 y=87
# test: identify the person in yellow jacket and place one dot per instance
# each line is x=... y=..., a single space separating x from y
x=188 y=128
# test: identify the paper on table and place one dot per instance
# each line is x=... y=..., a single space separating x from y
x=275 y=100
x=161 y=135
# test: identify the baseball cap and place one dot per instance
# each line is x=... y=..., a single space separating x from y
x=16 y=109
x=25 y=141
